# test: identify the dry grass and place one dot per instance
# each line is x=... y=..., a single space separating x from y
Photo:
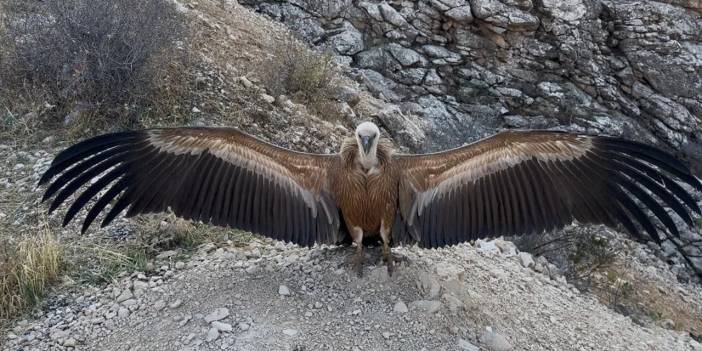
x=27 y=267
x=96 y=263
x=631 y=293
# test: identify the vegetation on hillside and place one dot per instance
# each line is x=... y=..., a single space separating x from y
x=90 y=64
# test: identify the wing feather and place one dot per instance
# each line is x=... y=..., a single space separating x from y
x=528 y=182
x=215 y=175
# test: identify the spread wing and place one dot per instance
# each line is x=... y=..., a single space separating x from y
x=216 y=175
x=528 y=182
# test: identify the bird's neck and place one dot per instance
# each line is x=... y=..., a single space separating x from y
x=379 y=156
x=368 y=161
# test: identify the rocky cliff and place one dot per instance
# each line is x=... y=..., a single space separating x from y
x=457 y=70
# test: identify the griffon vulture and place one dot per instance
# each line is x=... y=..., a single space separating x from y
x=513 y=183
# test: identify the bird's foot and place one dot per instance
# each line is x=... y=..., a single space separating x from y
x=389 y=260
x=399 y=258
x=390 y=263
x=357 y=263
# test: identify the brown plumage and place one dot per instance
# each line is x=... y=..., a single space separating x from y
x=510 y=184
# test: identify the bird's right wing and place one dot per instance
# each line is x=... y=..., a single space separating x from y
x=216 y=175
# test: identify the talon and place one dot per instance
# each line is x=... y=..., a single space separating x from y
x=391 y=265
x=388 y=258
x=357 y=263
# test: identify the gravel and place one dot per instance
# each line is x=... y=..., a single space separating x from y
x=487 y=300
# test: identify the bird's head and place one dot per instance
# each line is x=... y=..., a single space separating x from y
x=367 y=135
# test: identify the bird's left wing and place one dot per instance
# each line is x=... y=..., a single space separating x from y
x=216 y=175
x=528 y=182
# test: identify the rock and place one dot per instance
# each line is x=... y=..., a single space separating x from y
x=460 y=14
x=59 y=335
x=159 y=305
x=507 y=248
x=466 y=345
x=123 y=312
x=526 y=260
x=245 y=82
x=377 y=84
x=290 y=332
x=223 y=327
x=440 y=52
x=212 y=334
x=217 y=315
x=267 y=98
x=243 y=326
x=130 y=302
x=392 y=16
x=348 y=41
x=283 y=290
x=405 y=56
x=374 y=58
x=140 y=285
x=427 y=306
x=70 y=342
x=453 y=303
x=406 y=128
x=124 y=296
x=175 y=303
x=486 y=246
x=503 y=16
x=400 y=307
x=569 y=11
x=494 y=341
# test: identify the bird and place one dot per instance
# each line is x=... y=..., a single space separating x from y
x=516 y=182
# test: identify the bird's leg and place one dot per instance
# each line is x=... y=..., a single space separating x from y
x=387 y=253
x=357 y=263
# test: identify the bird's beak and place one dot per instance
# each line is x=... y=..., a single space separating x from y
x=367 y=143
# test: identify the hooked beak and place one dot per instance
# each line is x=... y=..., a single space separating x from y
x=367 y=143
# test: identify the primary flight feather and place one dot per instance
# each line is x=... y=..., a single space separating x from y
x=513 y=183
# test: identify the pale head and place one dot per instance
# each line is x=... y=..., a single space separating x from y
x=367 y=136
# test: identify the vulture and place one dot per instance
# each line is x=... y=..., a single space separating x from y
x=512 y=183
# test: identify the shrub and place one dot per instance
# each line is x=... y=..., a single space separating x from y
x=304 y=75
x=591 y=253
x=71 y=58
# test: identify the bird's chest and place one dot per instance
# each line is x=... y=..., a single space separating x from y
x=368 y=198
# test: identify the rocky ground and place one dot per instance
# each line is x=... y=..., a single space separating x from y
x=271 y=296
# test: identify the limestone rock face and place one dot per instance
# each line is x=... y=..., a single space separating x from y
x=471 y=68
